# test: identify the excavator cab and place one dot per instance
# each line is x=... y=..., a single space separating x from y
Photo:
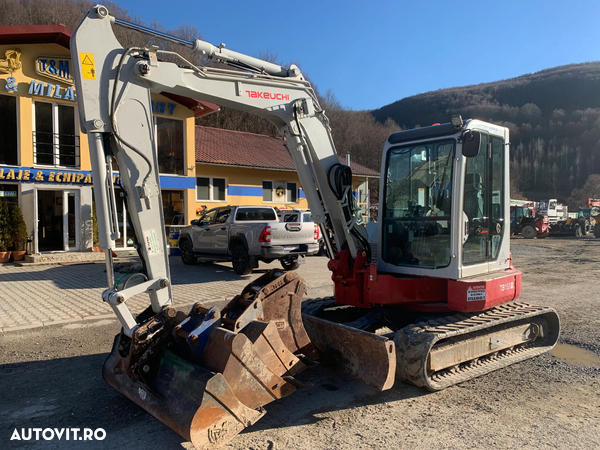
x=418 y=201
x=445 y=201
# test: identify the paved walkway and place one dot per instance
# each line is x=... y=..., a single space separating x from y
x=46 y=295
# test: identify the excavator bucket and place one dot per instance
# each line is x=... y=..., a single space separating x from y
x=208 y=374
x=279 y=296
x=362 y=356
x=192 y=401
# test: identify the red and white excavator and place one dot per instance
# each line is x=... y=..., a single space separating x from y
x=427 y=296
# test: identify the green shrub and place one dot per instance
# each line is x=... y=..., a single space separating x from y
x=18 y=228
x=5 y=238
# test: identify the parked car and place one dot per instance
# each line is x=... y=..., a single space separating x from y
x=296 y=215
x=246 y=235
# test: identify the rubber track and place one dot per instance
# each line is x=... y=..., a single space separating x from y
x=414 y=342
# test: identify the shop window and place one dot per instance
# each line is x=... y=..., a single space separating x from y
x=292 y=193
x=209 y=188
x=169 y=133
x=55 y=139
x=173 y=205
x=267 y=191
x=8 y=131
x=10 y=193
x=280 y=191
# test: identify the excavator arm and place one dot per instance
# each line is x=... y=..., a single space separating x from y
x=114 y=86
x=208 y=373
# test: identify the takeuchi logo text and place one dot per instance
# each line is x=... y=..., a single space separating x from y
x=268 y=95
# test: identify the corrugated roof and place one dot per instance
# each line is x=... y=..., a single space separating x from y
x=241 y=149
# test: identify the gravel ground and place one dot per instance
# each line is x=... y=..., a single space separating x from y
x=50 y=377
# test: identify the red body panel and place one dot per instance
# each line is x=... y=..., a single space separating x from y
x=593 y=202
x=542 y=224
x=360 y=285
x=484 y=292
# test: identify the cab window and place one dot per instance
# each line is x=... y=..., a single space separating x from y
x=209 y=217
x=222 y=215
x=418 y=203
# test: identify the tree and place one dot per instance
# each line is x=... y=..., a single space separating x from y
x=538 y=151
x=18 y=228
x=591 y=189
x=553 y=179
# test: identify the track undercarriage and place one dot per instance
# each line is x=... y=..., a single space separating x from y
x=433 y=351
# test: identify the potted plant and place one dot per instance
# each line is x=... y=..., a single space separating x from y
x=18 y=234
x=4 y=232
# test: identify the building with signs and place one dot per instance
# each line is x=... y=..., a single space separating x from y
x=44 y=159
x=238 y=168
x=45 y=164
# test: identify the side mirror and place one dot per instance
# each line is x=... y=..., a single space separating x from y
x=194 y=222
x=471 y=142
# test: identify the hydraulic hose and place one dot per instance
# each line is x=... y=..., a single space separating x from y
x=340 y=182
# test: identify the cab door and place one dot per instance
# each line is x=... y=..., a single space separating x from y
x=484 y=207
x=220 y=230
x=202 y=231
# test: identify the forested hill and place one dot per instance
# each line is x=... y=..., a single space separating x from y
x=553 y=117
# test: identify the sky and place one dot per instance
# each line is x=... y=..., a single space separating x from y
x=371 y=53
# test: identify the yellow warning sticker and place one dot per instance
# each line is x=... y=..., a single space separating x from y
x=88 y=68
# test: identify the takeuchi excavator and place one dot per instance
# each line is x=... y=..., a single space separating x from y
x=426 y=295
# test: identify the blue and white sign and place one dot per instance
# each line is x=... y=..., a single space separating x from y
x=55 y=67
x=51 y=90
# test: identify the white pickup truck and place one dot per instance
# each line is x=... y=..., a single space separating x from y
x=246 y=235
x=296 y=215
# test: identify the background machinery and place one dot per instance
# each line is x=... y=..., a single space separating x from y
x=425 y=297
x=555 y=211
x=594 y=204
x=585 y=222
x=526 y=221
